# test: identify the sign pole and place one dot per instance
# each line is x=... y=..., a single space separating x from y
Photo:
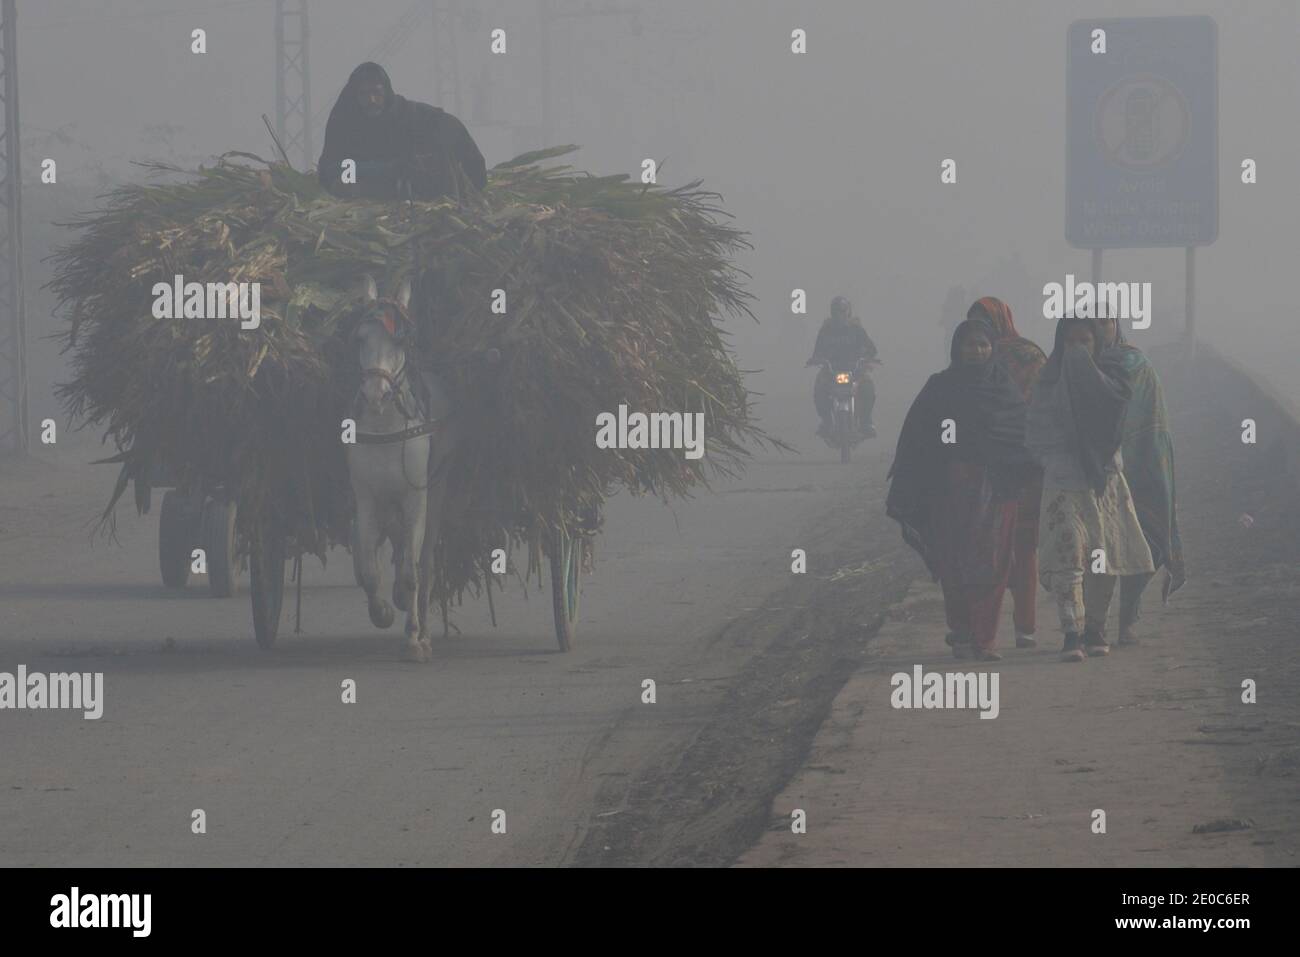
x=13 y=317
x=1189 y=304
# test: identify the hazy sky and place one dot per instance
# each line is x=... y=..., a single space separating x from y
x=830 y=159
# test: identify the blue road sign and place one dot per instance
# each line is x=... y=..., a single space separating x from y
x=1142 y=136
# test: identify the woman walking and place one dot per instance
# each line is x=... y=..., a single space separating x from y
x=1148 y=449
x=1088 y=525
x=1023 y=361
x=959 y=469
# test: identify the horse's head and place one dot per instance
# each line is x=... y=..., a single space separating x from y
x=381 y=338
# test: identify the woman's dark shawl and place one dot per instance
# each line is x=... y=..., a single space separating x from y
x=988 y=411
x=1094 y=390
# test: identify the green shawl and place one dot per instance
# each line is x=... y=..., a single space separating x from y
x=1148 y=450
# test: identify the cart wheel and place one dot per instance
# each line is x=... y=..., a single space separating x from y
x=566 y=562
x=219 y=544
x=266 y=583
x=177 y=533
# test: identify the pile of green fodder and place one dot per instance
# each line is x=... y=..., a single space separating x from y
x=615 y=294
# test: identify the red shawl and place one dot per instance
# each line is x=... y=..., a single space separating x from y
x=1022 y=358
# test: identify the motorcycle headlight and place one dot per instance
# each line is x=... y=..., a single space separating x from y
x=841 y=378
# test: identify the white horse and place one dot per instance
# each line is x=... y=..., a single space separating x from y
x=398 y=467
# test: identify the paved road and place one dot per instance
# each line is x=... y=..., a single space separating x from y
x=287 y=774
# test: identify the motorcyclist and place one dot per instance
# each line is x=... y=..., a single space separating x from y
x=842 y=341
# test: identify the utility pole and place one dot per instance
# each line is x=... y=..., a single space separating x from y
x=549 y=13
x=446 y=62
x=545 y=15
x=293 y=114
x=13 y=319
x=397 y=36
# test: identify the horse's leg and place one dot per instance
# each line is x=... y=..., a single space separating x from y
x=397 y=537
x=432 y=525
x=423 y=592
x=413 y=506
x=369 y=537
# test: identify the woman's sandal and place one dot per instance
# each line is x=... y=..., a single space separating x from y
x=1094 y=643
x=960 y=645
x=1073 y=650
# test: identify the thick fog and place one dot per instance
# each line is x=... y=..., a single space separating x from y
x=756 y=673
x=830 y=159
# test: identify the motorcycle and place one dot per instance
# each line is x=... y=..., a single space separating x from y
x=846 y=383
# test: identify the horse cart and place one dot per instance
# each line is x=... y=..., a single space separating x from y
x=617 y=297
x=267 y=533
x=398 y=409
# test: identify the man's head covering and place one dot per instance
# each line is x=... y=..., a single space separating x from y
x=369 y=71
x=841 y=308
x=352 y=134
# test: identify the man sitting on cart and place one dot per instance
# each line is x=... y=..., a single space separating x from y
x=398 y=145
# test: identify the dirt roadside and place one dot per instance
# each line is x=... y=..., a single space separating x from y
x=1155 y=735
x=700 y=804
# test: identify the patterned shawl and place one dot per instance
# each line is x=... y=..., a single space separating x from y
x=1022 y=358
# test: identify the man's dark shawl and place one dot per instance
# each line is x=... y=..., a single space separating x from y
x=1149 y=462
x=1094 y=390
x=409 y=140
x=989 y=412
